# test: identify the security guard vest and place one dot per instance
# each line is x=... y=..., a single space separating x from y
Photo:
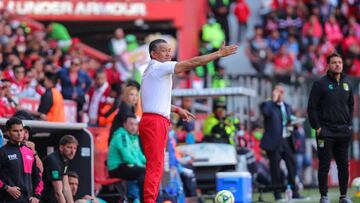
x=57 y=112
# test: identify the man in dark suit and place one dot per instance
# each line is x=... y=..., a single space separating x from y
x=277 y=141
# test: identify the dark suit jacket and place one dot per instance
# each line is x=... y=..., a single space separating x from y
x=272 y=137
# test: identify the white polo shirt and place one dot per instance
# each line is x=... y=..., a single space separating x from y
x=156 y=87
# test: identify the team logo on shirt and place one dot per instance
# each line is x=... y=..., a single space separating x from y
x=12 y=157
x=29 y=157
x=55 y=174
x=331 y=86
x=346 y=86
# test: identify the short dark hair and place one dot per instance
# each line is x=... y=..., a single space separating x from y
x=129 y=116
x=73 y=174
x=116 y=87
x=99 y=72
x=154 y=44
x=133 y=83
x=51 y=76
x=328 y=58
x=13 y=121
x=18 y=66
x=68 y=139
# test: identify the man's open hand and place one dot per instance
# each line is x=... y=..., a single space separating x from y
x=227 y=50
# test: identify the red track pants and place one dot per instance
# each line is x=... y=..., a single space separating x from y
x=153 y=129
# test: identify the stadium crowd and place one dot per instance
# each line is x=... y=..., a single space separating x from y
x=293 y=36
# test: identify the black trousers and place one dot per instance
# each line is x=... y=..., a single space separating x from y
x=339 y=148
x=285 y=152
x=130 y=173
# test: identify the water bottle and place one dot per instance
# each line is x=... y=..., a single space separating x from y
x=288 y=194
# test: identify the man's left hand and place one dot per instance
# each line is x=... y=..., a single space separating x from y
x=227 y=50
x=34 y=200
x=186 y=115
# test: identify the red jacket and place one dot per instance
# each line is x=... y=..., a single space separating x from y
x=242 y=11
x=104 y=100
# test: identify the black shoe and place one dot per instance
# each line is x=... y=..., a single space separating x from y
x=298 y=196
x=277 y=196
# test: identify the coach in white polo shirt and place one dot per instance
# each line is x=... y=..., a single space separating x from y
x=156 y=104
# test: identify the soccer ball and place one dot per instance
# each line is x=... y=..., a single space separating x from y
x=356 y=185
x=224 y=196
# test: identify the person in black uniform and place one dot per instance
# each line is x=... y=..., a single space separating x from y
x=330 y=110
x=56 y=180
x=20 y=179
x=277 y=141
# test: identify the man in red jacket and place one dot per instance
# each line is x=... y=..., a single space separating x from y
x=242 y=13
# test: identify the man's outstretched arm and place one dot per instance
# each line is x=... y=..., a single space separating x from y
x=189 y=64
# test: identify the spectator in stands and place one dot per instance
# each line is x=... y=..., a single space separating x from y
x=307 y=59
x=74 y=83
x=51 y=106
x=127 y=107
x=274 y=41
x=125 y=157
x=312 y=31
x=333 y=31
x=118 y=48
x=20 y=178
x=242 y=14
x=98 y=97
x=289 y=21
x=213 y=34
x=351 y=45
x=353 y=24
x=293 y=46
x=56 y=180
x=18 y=82
x=110 y=109
x=221 y=9
x=270 y=23
x=258 y=51
x=325 y=47
x=32 y=88
x=219 y=79
x=118 y=44
x=319 y=62
x=7 y=104
x=31 y=145
x=112 y=74
x=60 y=33
x=283 y=62
x=326 y=9
x=214 y=119
x=74 y=185
x=265 y=8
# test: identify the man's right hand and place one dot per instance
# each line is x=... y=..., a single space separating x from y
x=14 y=191
x=318 y=131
